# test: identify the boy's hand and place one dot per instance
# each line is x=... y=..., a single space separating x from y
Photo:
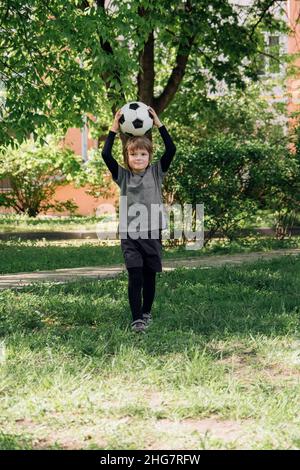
x=116 y=125
x=156 y=121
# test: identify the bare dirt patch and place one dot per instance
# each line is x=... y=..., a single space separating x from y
x=222 y=429
x=75 y=436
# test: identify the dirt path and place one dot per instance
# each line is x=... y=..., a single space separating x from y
x=18 y=280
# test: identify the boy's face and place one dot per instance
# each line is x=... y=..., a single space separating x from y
x=138 y=159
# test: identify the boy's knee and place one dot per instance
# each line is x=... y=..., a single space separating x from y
x=135 y=274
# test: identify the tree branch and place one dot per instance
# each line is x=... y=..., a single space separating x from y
x=162 y=101
x=145 y=79
x=269 y=55
x=107 y=48
x=261 y=17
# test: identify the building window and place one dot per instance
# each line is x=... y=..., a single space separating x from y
x=261 y=64
x=266 y=64
x=274 y=48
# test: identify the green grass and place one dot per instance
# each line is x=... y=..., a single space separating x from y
x=24 y=223
x=36 y=255
x=218 y=368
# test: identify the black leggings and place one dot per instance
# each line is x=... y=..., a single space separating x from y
x=138 y=279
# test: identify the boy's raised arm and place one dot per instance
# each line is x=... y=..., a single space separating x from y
x=170 y=147
x=109 y=160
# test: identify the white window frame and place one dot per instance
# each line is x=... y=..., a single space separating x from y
x=282 y=48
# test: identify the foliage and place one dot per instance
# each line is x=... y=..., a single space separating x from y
x=233 y=179
x=65 y=59
x=284 y=195
x=245 y=114
x=96 y=176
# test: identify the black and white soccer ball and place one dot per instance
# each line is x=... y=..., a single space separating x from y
x=135 y=119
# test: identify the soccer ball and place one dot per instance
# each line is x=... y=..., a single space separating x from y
x=135 y=119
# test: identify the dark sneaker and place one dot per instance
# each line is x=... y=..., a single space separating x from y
x=147 y=317
x=138 y=326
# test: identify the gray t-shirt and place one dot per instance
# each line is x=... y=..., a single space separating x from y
x=142 y=211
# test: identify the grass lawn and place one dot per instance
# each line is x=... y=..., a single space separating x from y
x=218 y=368
x=24 y=223
x=37 y=255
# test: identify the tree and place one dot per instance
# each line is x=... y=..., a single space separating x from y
x=62 y=59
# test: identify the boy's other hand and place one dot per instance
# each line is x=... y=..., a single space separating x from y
x=156 y=120
x=116 y=125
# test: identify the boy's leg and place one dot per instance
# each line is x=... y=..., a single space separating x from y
x=149 y=278
x=135 y=283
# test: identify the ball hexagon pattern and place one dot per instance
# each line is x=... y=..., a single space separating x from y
x=135 y=119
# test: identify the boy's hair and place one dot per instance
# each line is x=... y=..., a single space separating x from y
x=141 y=142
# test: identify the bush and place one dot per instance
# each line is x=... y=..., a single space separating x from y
x=233 y=180
x=34 y=172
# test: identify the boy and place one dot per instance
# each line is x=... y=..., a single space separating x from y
x=141 y=183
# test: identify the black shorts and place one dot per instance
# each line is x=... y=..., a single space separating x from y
x=142 y=252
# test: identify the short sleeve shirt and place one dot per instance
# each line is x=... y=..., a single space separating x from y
x=143 y=209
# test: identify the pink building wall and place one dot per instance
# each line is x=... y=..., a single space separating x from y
x=293 y=83
x=87 y=204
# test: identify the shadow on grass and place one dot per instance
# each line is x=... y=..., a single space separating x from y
x=191 y=307
x=20 y=256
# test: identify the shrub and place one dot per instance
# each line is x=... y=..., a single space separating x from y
x=34 y=172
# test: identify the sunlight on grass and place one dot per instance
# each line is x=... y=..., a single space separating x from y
x=38 y=255
x=219 y=367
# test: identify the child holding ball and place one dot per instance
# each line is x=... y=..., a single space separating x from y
x=141 y=182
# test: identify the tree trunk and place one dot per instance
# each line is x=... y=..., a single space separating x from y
x=146 y=75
